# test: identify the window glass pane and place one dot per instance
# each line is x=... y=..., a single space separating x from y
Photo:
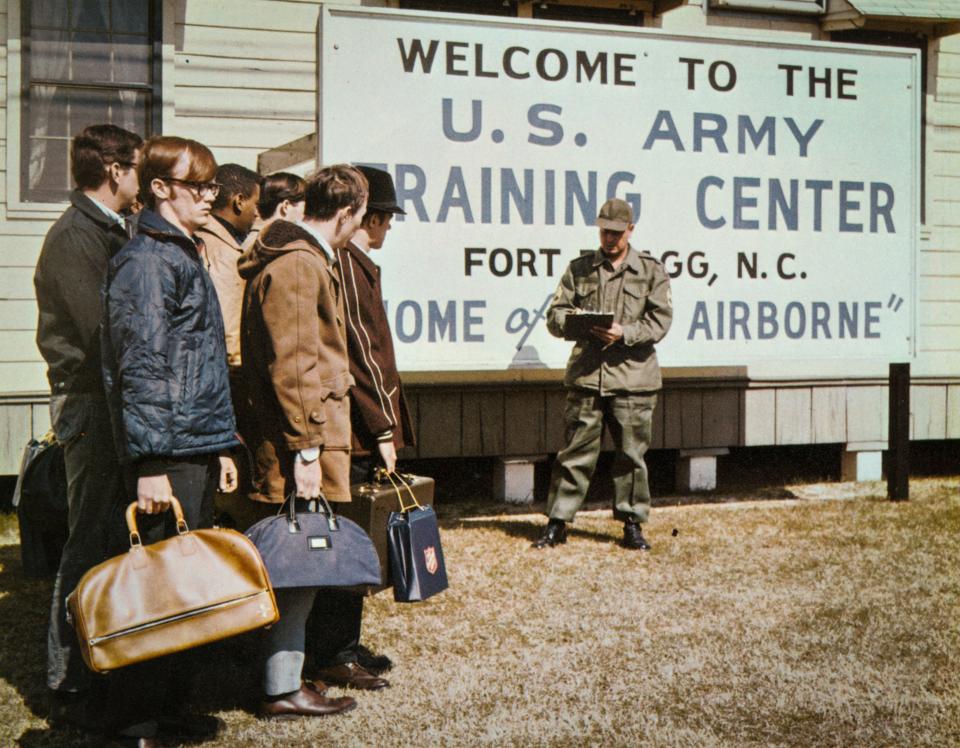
x=48 y=112
x=93 y=51
x=131 y=60
x=48 y=12
x=90 y=106
x=131 y=16
x=90 y=60
x=90 y=14
x=49 y=56
x=49 y=168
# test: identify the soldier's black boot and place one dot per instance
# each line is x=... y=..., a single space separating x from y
x=555 y=533
x=633 y=537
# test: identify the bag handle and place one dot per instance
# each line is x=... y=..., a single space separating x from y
x=131 y=514
x=402 y=482
x=293 y=524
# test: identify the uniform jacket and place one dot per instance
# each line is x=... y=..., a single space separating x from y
x=164 y=361
x=377 y=402
x=69 y=276
x=643 y=308
x=295 y=368
x=223 y=253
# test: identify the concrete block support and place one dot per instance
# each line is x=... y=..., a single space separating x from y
x=697 y=469
x=513 y=479
x=861 y=466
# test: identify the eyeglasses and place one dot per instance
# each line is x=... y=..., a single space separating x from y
x=211 y=188
x=126 y=164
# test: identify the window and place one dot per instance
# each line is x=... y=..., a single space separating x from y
x=587 y=14
x=489 y=8
x=85 y=62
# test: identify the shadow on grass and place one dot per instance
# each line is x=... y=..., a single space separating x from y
x=227 y=674
x=24 y=611
x=524 y=530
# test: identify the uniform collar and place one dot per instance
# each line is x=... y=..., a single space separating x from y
x=631 y=261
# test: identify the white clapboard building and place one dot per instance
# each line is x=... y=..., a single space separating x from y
x=795 y=163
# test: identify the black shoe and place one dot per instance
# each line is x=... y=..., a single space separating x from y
x=372 y=663
x=72 y=709
x=633 y=537
x=555 y=533
x=190 y=727
x=131 y=741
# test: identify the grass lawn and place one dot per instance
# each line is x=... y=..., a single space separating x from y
x=832 y=619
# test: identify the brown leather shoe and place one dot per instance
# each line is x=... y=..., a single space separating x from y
x=351 y=675
x=306 y=702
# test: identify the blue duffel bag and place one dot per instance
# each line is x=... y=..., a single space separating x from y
x=307 y=545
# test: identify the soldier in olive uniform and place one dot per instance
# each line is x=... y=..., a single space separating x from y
x=612 y=376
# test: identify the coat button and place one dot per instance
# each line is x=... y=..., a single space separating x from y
x=296 y=419
x=314 y=416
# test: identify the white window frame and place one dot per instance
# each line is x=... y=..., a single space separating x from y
x=16 y=207
x=807 y=7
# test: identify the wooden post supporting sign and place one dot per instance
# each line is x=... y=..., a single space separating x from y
x=898 y=467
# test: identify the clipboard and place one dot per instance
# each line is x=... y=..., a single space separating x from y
x=577 y=324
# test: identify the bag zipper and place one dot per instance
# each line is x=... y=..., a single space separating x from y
x=172 y=619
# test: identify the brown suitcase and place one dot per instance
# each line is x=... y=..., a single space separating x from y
x=371 y=506
x=197 y=587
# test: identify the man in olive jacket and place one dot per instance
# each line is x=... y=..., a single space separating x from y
x=612 y=375
x=70 y=271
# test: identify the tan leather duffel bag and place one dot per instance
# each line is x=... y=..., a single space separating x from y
x=194 y=588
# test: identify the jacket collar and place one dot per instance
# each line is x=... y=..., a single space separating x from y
x=631 y=261
x=218 y=228
x=362 y=259
x=157 y=227
x=86 y=206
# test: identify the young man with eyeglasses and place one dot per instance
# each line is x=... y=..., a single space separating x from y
x=69 y=274
x=165 y=373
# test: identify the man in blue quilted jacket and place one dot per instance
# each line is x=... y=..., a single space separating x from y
x=165 y=374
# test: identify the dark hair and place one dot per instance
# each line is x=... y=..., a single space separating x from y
x=235 y=180
x=275 y=188
x=331 y=188
x=373 y=213
x=98 y=146
x=162 y=153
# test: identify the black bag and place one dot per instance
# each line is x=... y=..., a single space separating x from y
x=303 y=547
x=40 y=498
x=371 y=507
x=417 y=567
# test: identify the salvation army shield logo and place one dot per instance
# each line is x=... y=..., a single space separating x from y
x=430 y=557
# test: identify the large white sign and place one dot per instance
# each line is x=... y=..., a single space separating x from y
x=776 y=181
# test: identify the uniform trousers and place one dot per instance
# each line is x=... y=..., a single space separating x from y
x=629 y=418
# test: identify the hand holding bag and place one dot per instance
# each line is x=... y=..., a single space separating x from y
x=194 y=588
x=310 y=548
x=416 y=557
